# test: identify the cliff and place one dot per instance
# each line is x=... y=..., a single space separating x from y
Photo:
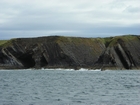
x=120 y=52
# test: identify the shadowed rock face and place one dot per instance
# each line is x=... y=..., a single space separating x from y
x=121 y=52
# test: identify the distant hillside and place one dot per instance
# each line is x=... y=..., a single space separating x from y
x=120 y=52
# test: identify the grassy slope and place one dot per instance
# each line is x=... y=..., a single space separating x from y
x=3 y=42
x=78 y=41
x=108 y=41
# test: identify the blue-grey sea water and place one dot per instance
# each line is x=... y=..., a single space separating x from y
x=69 y=87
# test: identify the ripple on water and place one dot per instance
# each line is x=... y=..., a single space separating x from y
x=34 y=87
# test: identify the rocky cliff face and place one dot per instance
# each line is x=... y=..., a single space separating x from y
x=121 y=52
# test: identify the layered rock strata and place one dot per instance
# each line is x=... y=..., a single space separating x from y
x=120 y=52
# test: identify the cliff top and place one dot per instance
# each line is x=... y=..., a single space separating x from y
x=108 y=41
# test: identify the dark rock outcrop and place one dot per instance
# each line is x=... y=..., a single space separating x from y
x=120 y=52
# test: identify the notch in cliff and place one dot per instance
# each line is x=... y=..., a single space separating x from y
x=120 y=52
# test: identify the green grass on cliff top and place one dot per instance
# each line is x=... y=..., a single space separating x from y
x=108 y=41
x=3 y=42
x=125 y=39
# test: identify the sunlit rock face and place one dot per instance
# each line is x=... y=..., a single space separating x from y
x=120 y=52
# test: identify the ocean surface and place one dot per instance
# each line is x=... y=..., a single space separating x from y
x=69 y=87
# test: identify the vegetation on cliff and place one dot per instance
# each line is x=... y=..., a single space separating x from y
x=2 y=42
x=120 y=52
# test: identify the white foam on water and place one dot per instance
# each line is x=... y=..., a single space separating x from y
x=97 y=70
x=51 y=69
x=62 y=69
x=81 y=69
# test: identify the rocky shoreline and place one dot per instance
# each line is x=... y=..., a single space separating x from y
x=114 y=53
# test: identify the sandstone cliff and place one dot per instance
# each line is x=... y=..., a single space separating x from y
x=120 y=52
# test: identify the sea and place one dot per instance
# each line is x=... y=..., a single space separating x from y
x=69 y=87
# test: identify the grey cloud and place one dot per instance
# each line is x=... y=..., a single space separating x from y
x=27 y=19
x=132 y=9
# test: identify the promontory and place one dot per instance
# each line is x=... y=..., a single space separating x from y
x=114 y=53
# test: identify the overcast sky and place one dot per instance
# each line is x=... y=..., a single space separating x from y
x=84 y=18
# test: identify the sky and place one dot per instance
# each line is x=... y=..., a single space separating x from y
x=79 y=18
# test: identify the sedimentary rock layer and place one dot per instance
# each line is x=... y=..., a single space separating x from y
x=120 y=52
